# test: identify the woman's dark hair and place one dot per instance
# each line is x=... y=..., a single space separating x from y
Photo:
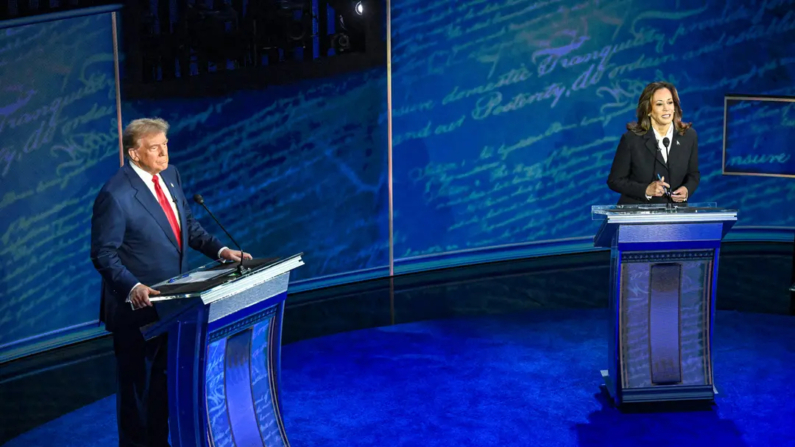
x=643 y=124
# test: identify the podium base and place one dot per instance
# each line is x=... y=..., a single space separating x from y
x=662 y=393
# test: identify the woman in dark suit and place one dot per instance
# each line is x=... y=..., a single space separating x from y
x=657 y=158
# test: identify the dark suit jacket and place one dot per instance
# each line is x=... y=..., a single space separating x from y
x=634 y=166
x=132 y=242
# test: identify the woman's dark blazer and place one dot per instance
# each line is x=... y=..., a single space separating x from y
x=638 y=161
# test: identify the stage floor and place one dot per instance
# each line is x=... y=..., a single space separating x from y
x=521 y=379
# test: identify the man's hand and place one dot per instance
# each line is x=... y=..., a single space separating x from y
x=680 y=195
x=234 y=255
x=139 y=297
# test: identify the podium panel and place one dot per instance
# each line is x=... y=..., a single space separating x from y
x=663 y=278
x=224 y=336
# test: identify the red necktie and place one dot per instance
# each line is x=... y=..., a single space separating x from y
x=172 y=219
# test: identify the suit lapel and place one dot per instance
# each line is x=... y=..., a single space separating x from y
x=150 y=204
x=651 y=145
x=676 y=147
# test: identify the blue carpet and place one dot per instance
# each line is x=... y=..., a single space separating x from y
x=528 y=379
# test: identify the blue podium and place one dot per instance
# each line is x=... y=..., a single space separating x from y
x=224 y=341
x=664 y=271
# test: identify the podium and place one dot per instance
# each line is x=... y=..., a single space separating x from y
x=224 y=345
x=664 y=271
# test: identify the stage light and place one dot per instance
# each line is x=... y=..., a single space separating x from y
x=353 y=10
x=341 y=43
x=351 y=23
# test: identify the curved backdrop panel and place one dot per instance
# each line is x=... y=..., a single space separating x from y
x=506 y=115
x=299 y=168
x=58 y=145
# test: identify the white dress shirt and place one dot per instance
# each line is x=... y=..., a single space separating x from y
x=664 y=150
x=670 y=135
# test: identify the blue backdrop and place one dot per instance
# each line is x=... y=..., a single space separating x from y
x=507 y=114
x=58 y=145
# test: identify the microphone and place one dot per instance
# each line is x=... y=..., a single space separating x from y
x=241 y=269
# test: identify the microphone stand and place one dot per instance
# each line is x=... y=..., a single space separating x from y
x=668 y=193
x=241 y=269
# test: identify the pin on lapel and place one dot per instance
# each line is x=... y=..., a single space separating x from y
x=172 y=185
x=677 y=143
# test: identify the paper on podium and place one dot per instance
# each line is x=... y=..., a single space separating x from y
x=189 y=278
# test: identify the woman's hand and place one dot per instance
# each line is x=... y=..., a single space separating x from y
x=657 y=188
x=680 y=195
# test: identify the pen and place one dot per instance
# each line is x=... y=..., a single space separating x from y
x=660 y=179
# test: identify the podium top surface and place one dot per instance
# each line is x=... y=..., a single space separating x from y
x=693 y=214
x=662 y=213
x=220 y=278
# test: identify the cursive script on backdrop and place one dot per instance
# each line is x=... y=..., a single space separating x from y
x=58 y=144
x=548 y=87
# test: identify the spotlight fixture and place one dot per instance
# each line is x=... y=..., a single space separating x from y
x=351 y=23
x=341 y=43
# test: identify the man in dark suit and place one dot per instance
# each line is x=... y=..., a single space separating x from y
x=139 y=231
x=644 y=167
